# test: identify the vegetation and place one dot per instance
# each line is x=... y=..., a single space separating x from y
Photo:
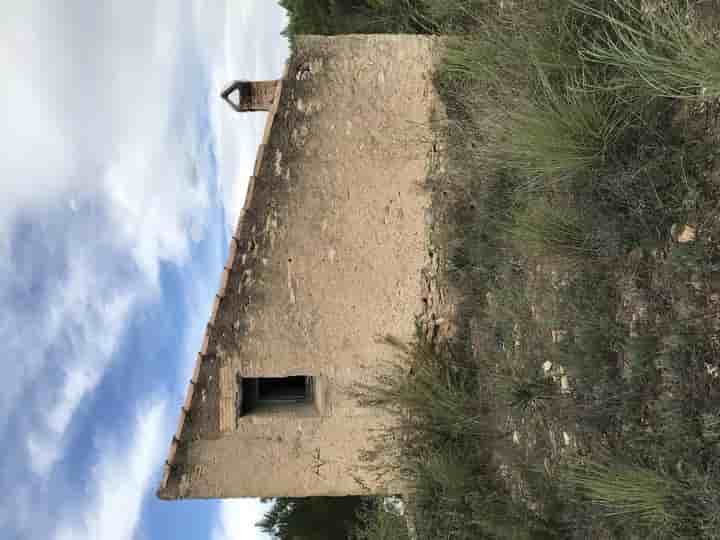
x=380 y=521
x=580 y=397
x=328 y=17
x=315 y=518
x=657 y=55
x=321 y=518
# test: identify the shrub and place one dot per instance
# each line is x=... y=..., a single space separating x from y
x=655 y=51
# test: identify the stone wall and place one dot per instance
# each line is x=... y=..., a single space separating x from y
x=325 y=260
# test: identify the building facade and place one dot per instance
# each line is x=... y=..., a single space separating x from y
x=325 y=260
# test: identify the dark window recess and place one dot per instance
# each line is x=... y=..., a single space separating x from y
x=261 y=391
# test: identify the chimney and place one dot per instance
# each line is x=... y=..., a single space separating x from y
x=249 y=96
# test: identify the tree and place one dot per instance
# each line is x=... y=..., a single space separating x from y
x=329 y=17
x=313 y=518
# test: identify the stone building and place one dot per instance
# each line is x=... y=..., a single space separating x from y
x=326 y=259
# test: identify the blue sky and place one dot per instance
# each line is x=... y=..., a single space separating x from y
x=121 y=178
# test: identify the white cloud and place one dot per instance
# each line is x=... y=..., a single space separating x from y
x=116 y=149
x=101 y=327
x=100 y=113
x=257 y=53
x=120 y=480
x=29 y=109
x=155 y=202
x=105 y=177
x=236 y=520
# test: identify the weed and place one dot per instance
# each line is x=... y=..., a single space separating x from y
x=632 y=492
x=561 y=133
x=558 y=231
x=655 y=51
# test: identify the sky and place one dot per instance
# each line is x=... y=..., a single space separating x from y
x=121 y=178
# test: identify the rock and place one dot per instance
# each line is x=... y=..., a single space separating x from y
x=683 y=233
x=429 y=217
x=445 y=329
x=713 y=371
x=636 y=255
x=558 y=335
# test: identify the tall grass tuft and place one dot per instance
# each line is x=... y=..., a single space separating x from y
x=435 y=396
x=562 y=132
x=633 y=492
x=558 y=129
x=656 y=51
x=459 y=496
x=491 y=55
x=526 y=394
x=558 y=232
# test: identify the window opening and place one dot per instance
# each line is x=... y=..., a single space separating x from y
x=261 y=392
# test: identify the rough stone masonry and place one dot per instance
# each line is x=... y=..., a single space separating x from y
x=326 y=259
